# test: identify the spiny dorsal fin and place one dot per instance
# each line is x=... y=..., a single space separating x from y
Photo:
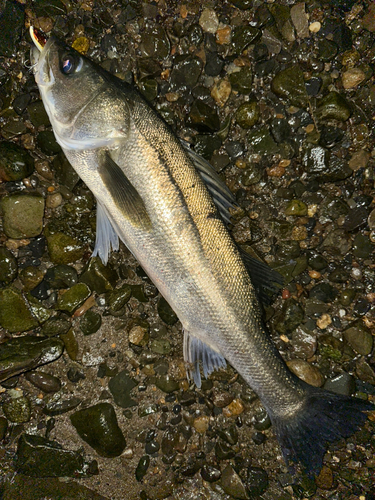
x=221 y=195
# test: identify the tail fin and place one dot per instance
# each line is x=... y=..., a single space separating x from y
x=325 y=417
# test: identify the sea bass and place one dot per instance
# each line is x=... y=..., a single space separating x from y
x=170 y=210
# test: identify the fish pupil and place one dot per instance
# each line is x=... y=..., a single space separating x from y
x=70 y=64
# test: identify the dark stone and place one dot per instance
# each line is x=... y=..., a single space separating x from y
x=8 y=266
x=166 y=313
x=324 y=292
x=214 y=64
x=44 y=381
x=47 y=143
x=98 y=427
x=141 y=470
x=39 y=457
x=64 y=172
x=203 y=117
x=290 y=83
x=224 y=451
x=75 y=375
x=15 y=162
x=257 y=481
x=120 y=387
x=186 y=71
x=90 y=322
x=20 y=103
x=242 y=37
x=313 y=86
x=210 y=473
x=61 y=276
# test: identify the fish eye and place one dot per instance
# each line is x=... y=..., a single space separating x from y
x=70 y=64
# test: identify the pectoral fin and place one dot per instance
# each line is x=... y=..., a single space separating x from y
x=123 y=193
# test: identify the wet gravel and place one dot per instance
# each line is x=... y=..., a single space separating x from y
x=280 y=97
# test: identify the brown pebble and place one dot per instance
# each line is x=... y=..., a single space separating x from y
x=325 y=478
x=235 y=408
x=201 y=424
x=306 y=372
x=44 y=381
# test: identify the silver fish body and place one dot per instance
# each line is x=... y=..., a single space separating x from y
x=151 y=195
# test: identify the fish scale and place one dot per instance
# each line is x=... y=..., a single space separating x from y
x=152 y=195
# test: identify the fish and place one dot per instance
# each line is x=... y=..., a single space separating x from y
x=171 y=210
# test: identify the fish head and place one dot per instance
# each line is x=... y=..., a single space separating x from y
x=83 y=106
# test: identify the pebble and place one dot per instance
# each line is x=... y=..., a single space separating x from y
x=201 y=424
x=73 y=297
x=257 y=481
x=143 y=465
x=315 y=27
x=221 y=92
x=352 y=78
x=341 y=384
x=15 y=162
x=90 y=322
x=63 y=249
x=97 y=426
x=223 y=35
x=325 y=479
x=8 y=266
x=324 y=321
x=17 y=410
x=209 y=21
x=44 y=381
x=12 y=300
x=22 y=215
x=247 y=114
x=232 y=484
x=307 y=372
x=54 y=200
x=98 y=277
x=120 y=386
x=39 y=457
x=289 y=83
x=210 y=473
x=359 y=337
x=234 y=408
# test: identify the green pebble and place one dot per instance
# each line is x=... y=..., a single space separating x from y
x=166 y=313
x=290 y=83
x=90 y=322
x=41 y=313
x=362 y=247
x=15 y=162
x=15 y=314
x=186 y=71
x=120 y=386
x=247 y=114
x=262 y=142
x=118 y=298
x=143 y=465
x=26 y=353
x=39 y=457
x=155 y=43
x=56 y=326
x=242 y=37
x=38 y=115
x=18 y=410
x=359 y=338
x=203 y=117
x=63 y=248
x=47 y=143
x=70 y=343
x=31 y=276
x=52 y=408
x=22 y=215
x=8 y=266
x=166 y=383
x=296 y=207
x=98 y=277
x=347 y=296
x=64 y=172
x=98 y=427
x=291 y=316
x=149 y=88
x=73 y=297
x=333 y=107
x=242 y=80
x=138 y=293
x=252 y=175
x=61 y=276
x=160 y=346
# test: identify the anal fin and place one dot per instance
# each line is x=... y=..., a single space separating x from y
x=106 y=236
x=194 y=351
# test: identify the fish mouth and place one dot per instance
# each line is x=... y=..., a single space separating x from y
x=39 y=60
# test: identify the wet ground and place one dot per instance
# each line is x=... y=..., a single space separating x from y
x=280 y=98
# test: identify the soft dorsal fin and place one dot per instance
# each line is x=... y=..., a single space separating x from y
x=123 y=193
x=106 y=236
x=194 y=351
x=267 y=282
x=221 y=195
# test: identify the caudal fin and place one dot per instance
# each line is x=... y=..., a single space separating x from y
x=325 y=417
